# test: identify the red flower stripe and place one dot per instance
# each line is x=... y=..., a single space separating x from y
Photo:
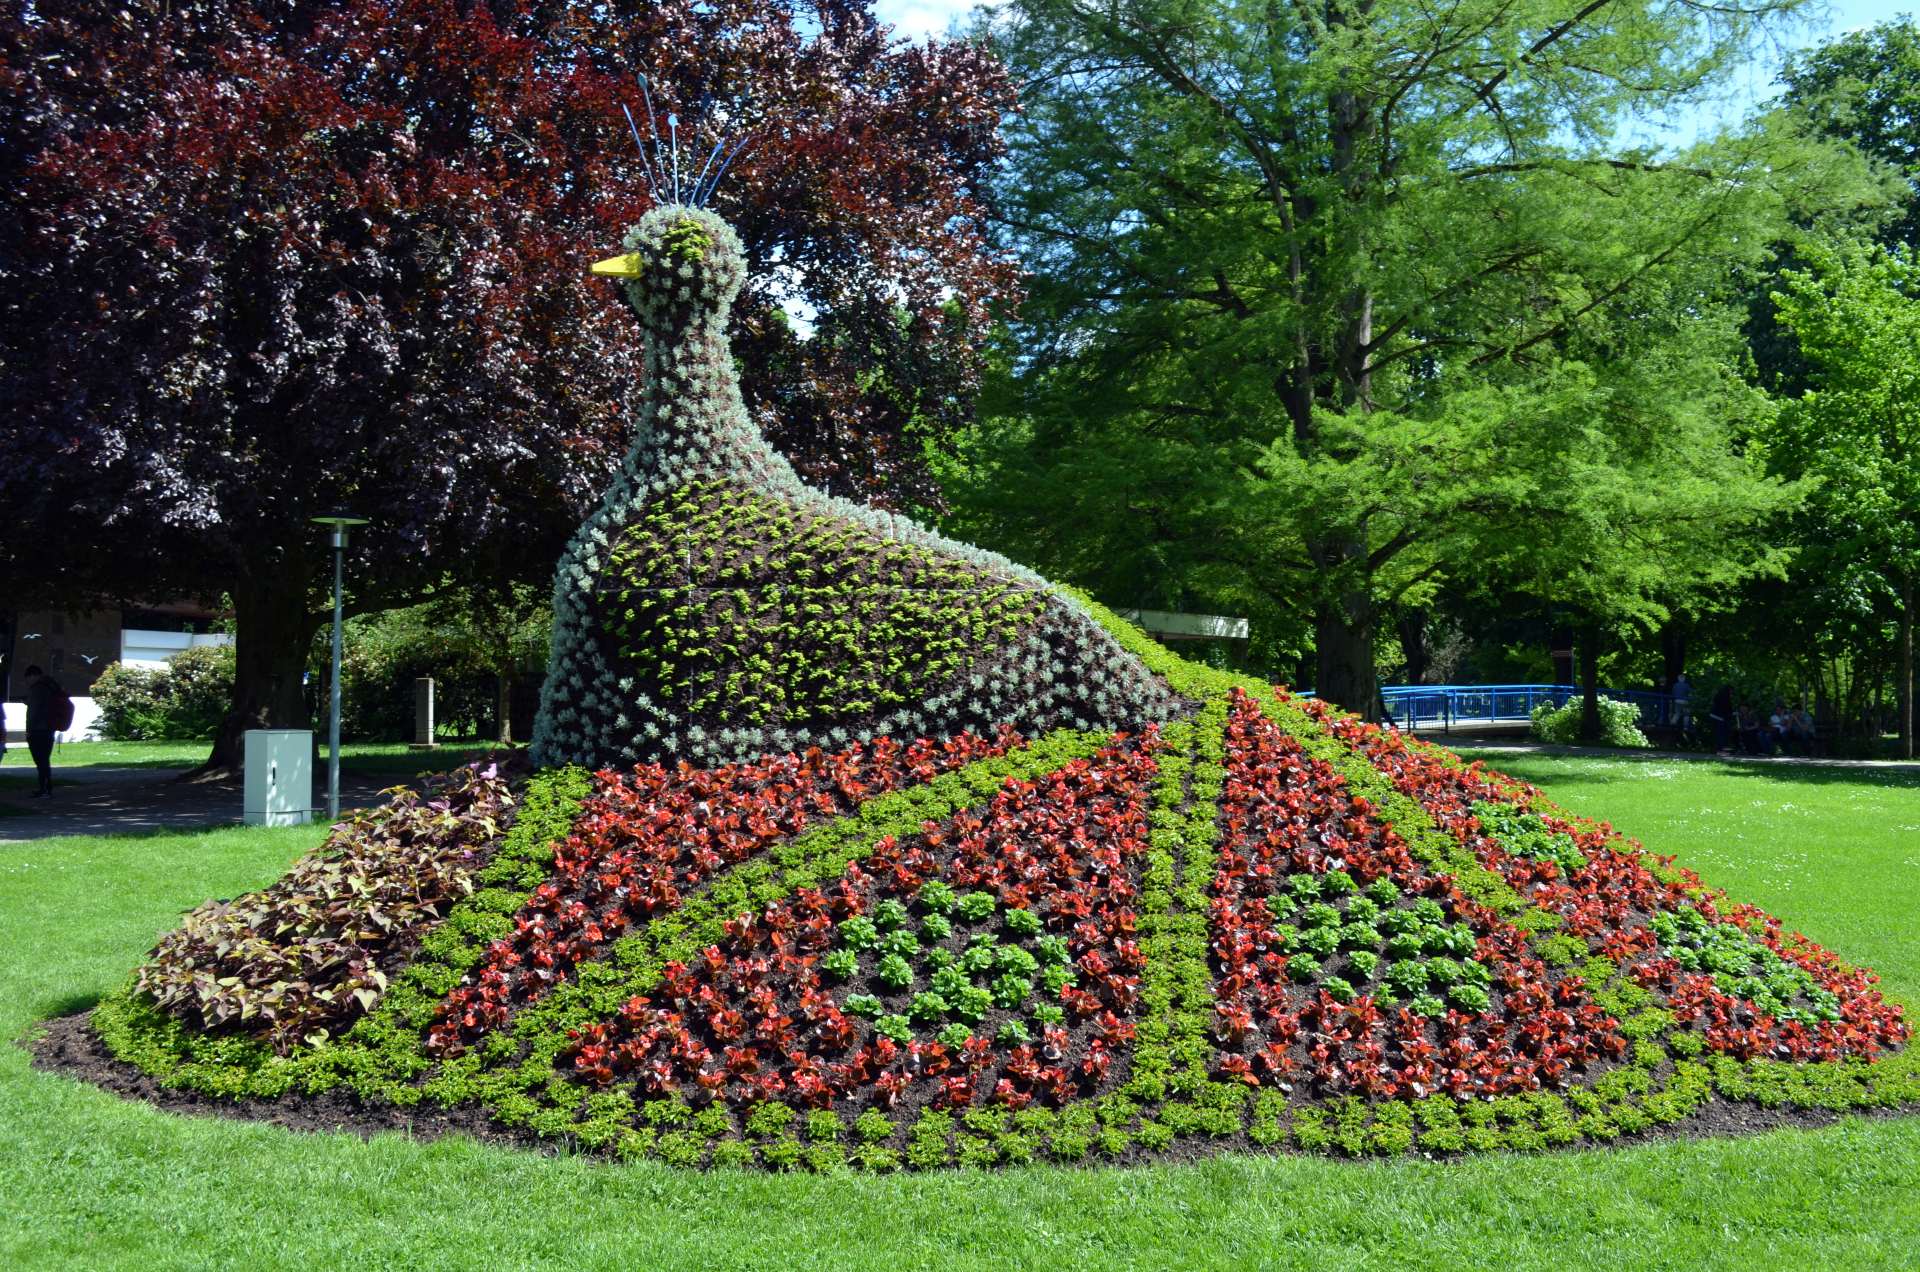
x=754 y=1019
x=1284 y=812
x=649 y=835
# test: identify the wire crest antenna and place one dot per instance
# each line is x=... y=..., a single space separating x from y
x=661 y=164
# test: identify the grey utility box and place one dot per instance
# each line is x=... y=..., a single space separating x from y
x=279 y=777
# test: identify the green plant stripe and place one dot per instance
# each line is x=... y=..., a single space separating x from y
x=1430 y=845
x=516 y=1091
x=1172 y=1054
x=385 y=1042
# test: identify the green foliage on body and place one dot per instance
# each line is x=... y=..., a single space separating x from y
x=761 y=611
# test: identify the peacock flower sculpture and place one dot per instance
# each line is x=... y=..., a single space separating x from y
x=715 y=607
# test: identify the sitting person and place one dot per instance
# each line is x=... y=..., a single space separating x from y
x=1801 y=729
x=1754 y=739
x=1779 y=734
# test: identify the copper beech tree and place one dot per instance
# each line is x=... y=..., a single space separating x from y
x=263 y=259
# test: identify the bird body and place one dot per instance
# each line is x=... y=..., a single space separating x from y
x=714 y=607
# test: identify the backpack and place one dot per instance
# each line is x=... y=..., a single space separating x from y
x=61 y=710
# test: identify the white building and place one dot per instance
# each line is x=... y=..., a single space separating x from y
x=76 y=648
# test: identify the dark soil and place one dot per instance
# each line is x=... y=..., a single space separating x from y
x=69 y=1047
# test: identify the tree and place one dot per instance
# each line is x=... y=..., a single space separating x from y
x=1305 y=266
x=1856 y=316
x=1827 y=623
x=498 y=627
x=1864 y=88
x=263 y=259
x=1657 y=513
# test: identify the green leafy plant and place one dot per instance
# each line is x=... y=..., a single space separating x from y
x=977 y=907
x=894 y=971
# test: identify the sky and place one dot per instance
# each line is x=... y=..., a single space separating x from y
x=918 y=19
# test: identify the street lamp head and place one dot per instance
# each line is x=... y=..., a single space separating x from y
x=339 y=522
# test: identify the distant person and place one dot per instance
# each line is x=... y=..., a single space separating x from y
x=48 y=711
x=1721 y=713
x=1754 y=736
x=1682 y=703
x=1801 y=729
x=1779 y=734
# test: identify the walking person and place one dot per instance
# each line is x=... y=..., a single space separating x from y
x=48 y=710
x=1721 y=713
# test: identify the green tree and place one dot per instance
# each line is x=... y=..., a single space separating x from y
x=1308 y=275
x=1864 y=88
x=1856 y=432
x=1827 y=622
x=1655 y=512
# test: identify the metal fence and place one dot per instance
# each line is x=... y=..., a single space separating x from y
x=1422 y=706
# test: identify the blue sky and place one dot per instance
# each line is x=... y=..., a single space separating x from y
x=1816 y=23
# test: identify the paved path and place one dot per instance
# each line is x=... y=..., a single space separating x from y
x=107 y=801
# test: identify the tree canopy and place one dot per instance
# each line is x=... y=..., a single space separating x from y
x=1312 y=275
x=264 y=259
x=1856 y=432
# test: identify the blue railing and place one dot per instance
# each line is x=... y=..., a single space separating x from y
x=1422 y=706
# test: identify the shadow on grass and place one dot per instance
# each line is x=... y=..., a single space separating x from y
x=68 y=1005
x=406 y=764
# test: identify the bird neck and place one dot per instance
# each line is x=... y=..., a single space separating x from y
x=692 y=422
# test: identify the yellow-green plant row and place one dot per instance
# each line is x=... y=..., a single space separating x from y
x=756 y=612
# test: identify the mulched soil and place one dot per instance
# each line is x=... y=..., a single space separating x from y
x=69 y=1048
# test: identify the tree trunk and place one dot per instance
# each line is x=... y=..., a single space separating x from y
x=503 y=706
x=272 y=630
x=1560 y=650
x=1904 y=697
x=1343 y=644
x=1590 y=684
x=1413 y=643
x=1673 y=652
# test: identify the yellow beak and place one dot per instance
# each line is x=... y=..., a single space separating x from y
x=627 y=266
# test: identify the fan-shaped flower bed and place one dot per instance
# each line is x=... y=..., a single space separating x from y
x=1191 y=913
x=1265 y=925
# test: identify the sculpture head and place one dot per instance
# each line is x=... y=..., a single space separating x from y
x=681 y=264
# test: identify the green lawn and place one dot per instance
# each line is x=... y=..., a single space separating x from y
x=89 y=1180
x=355 y=757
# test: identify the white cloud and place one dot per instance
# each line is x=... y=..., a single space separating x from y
x=919 y=19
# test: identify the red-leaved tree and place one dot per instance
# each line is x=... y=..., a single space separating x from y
x=265 y=259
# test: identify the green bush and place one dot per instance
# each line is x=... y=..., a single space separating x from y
x=1619 y=723
x=383 y=654
x=183 y=701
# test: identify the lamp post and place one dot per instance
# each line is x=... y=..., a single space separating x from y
x=339 y=523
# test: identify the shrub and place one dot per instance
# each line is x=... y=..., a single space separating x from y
x=304 y=956
x=1619 y=723
x=384 y=654
x=183 y=701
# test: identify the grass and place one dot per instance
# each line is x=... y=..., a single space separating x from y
x=355 y=757
x=89 y=1180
